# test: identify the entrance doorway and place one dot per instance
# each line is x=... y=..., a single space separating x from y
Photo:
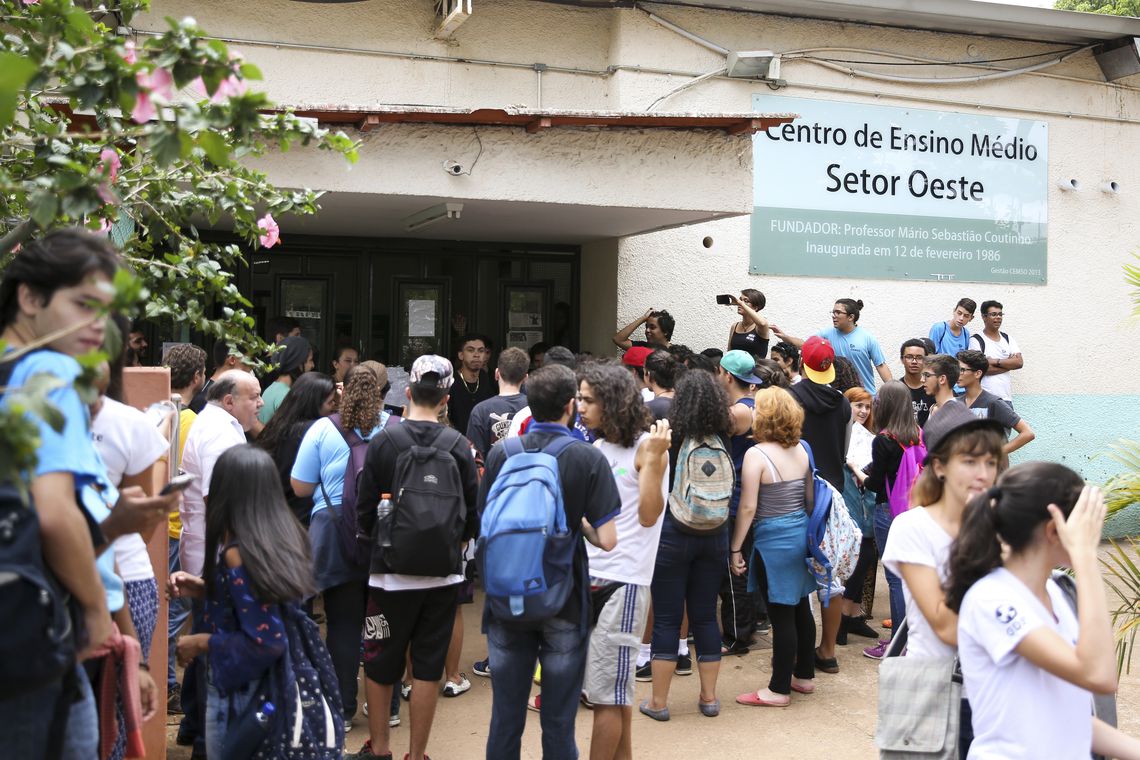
x=395 y=299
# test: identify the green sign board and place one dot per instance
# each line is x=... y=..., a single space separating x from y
x=852 y=190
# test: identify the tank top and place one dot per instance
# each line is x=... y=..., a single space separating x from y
x=749 y=341
x=780 y=497
x=633 y=559
x=739 y=445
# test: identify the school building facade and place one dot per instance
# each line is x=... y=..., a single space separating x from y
x=549 y=170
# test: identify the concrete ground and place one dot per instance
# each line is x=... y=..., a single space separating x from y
x=837 y=721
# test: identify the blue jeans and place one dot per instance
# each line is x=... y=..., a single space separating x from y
x=883 y=522
x=25 y=721
x=177 y=613
x=688 y=570
x=560 y=646
x=221 y=710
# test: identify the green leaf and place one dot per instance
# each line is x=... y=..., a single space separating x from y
x=249 y=71
x=215 y=147
x=44 y=207
x=79 y=21
x=15 y=71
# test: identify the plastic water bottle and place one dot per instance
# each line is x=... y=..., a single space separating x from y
x=265 y=714
x=383 y=512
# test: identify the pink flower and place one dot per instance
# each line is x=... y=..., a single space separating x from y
x=159 y=82
x=272 y=232
x=130 y=56
x=104 y=226
x=229 y=87
x=144 y=109
x=31 y=2
x=109 y=162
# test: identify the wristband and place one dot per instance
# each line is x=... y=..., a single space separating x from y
x=737 y=551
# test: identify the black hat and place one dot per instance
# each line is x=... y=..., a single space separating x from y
x=952 y=417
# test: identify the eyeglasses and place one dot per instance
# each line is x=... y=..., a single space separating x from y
x=838 y=313
x=926 y=375
x=968 y=369
x=995 y=314
x=913 y=358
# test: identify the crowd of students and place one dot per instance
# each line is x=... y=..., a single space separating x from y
x=607 y=506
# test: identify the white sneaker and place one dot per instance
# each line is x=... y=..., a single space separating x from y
x=455 y=688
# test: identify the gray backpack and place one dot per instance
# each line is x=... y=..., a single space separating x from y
x=702 y=487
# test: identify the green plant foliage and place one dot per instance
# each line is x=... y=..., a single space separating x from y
x=1124 y=579
x=1106 y=7
x=1123 y=490
x=1132 y=277
x=142 y=137
x=146 y=136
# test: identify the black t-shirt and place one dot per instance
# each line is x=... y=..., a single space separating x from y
x=198 y=403
x=989 y=406
x=379 y=471
x=588 y=490
x=886 y=456
x=491 y=419
x=921 y=401
x=463 y=398
x=659 y=407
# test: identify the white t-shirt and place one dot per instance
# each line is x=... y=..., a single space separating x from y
x=1019 y=710
x=999 y=385
x=633 y=559
x=916 y=539
x=128 y=443
x=859 y=448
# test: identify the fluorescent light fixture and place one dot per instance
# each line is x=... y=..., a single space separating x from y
x=754 y=64
x=431 y=215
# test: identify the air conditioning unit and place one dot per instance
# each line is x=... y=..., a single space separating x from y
x=450 y=15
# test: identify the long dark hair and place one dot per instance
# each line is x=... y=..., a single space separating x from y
x=699 y=408
x=624 y=414
x=1010 y=512
x=246 y=506
x=894 y=413
x=301 y=406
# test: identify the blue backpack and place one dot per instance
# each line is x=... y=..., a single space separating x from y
x=525 y=549
x=833 y=538
x=296 y=712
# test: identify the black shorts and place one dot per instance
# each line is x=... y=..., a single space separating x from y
x=397 y=620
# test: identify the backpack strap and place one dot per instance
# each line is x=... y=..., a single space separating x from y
x=981 y=342
x=809 y=479
x=775 y=471
x=1004 y=335
x=350 y=436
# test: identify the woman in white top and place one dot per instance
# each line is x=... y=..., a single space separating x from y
x=1028 y=661
x=861 y=505
x=964 y=453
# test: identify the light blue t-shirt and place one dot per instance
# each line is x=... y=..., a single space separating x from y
x=946 y=342
x=861 y=348
x=71 y=450
x=322 y=458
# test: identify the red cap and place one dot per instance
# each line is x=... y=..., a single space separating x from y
x=818 y=360
x=636 y=356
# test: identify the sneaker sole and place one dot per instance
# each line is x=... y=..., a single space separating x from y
x=452 y=693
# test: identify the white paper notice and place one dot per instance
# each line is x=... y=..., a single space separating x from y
x=421 y=319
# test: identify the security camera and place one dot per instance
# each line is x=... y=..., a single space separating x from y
x=453 y=168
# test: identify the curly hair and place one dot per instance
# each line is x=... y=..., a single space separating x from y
x=185 y=360
x=846 y=376
x=777 y=417
x=363 y=396
x=699 y=408
x=624 y=415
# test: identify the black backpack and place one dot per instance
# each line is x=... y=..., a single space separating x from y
x=429 y=510
x=38 y=636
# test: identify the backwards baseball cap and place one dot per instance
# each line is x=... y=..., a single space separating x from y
x=953 y=417
x=430 y=364
x=742 y=366
x=636 y=356
x=818 y=358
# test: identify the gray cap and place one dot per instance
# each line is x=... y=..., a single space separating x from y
x=950 y=418
x=432 y=364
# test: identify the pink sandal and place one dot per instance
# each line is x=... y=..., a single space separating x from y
x=753 y=699
x=803 y=689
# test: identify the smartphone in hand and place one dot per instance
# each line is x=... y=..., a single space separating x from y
x=177 y=483
x=724 y=300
